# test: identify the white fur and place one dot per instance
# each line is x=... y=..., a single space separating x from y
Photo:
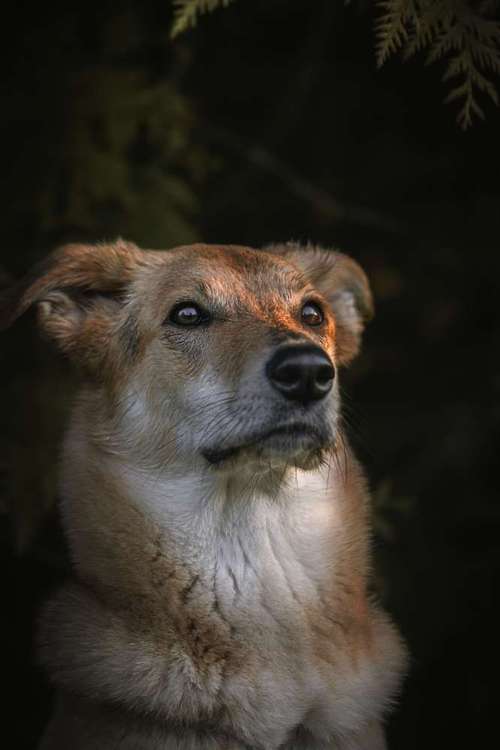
x=269 y=557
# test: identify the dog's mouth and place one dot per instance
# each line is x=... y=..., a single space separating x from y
x=282 y=440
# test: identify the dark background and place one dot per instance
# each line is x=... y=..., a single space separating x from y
x=266 y=123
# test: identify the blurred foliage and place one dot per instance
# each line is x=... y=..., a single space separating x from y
x=108 y=138
x=390 y=509
x=188 y=11
x=126 y=155
x=127 y=162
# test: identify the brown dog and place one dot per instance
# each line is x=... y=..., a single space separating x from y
x=218 y=523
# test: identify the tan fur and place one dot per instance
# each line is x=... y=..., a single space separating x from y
x=212 y=606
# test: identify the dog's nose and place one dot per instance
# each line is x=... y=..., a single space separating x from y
x=301 y=373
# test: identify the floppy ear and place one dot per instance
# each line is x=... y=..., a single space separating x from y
x=74 y=290
x=343 y=283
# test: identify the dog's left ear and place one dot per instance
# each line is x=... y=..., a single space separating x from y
x=343 y=283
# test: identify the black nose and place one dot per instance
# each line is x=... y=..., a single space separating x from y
x=301 y=373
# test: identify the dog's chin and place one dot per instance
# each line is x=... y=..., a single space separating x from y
x=301 y=448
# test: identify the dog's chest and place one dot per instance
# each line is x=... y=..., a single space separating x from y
x=271 y=598
x=263 y=638
x=269 y=612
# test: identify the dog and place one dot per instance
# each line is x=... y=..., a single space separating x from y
x=217 y=520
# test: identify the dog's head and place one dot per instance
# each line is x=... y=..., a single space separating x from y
x=215 y=353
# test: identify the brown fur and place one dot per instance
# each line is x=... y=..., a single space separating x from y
x=211 y=607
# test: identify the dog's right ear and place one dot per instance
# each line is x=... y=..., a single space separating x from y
x=74 y=290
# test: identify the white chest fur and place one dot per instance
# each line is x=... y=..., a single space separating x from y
x=257 y=582
x=267 y=563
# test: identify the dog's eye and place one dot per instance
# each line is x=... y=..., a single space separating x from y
x=188 y=314
x=312 y=314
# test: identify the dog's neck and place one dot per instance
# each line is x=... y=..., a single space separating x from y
x=200 y=500
x=117 y=512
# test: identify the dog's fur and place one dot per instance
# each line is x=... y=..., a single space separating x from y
x=220 y=580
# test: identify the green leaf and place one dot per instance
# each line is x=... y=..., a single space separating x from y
x=186 y=13
x=461 y=32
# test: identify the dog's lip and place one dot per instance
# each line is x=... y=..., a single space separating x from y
x=289 y=429
x=217 y=455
